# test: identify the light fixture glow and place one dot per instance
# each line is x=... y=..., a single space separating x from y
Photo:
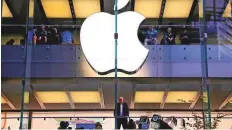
x=149 y=96
x=5 y=10
x=85 y=8
x=85 y=96
x=97 y=40
x=56 y=8
x=3 y=101
x=172 y=11
x=227 y=12
x=148 y=8
x=181 y=96
x=52 y=97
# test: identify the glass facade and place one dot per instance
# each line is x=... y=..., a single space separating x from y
x=66 y=60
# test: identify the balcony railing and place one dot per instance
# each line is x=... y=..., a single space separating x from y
x=69 y=61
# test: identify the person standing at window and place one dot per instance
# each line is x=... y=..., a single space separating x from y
x=67 y=37
x=150 y=38
x=122 y=113
x=184 y=38
x=170 y=37
x=42 y=38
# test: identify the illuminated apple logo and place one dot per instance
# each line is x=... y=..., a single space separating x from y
x=97 y=41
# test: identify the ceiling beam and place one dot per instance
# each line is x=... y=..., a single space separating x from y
x=1 y=7
x=165 y=96
x=70 y=98
x=163 y=4
x=225 y=102
x=191 y=13
x=102 y=103
x=110 y=110
x=72 y=11
x=132 y=104
x=11 y=8
x=132 y=5
x=128 y=80
x=102 y=5
x=224 y=6
x=40 y=11
x=37 y=97
x=8 y=102
x=194 y=102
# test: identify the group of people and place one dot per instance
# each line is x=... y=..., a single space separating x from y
x=122 y=115
x=65 y=125
x=168 y=37
x=49 y=35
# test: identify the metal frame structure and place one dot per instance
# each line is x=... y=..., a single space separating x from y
x=40 y=8
x=194 y=6
x=132 y=103
x=84 y=110
x=165 y=96
x=8 y=102
x=72 y=105
x=37 y=97
x=205 y=85
x=199 y=94
x=72 y=11
x=225 y=102
x=116 y=61
x=163 y=4
x=205 y=79
x=132 y=2
x=102 y=5
x=102 y=103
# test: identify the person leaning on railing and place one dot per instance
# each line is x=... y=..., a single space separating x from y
x=40 y=36
x=170 y=37
x=184 y=38
x=150 y=36
x=67 y=37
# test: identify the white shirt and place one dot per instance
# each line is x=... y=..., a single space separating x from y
x=121 y=110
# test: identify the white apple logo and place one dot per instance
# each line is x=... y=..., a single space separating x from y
x=97 y=41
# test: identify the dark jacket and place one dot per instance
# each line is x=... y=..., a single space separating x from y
x=125 y=110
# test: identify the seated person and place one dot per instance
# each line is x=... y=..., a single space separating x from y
x=53 y=36
x=56 y=34
x=184 y=38
x=67 y=37
x=42 y=36
x=170 y=38
x=150 y=38
x=35 y=33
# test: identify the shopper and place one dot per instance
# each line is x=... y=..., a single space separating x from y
x=184 y=38
x=98 y=125
x=122 y=113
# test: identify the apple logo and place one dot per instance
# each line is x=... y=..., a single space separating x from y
x=98 y=45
